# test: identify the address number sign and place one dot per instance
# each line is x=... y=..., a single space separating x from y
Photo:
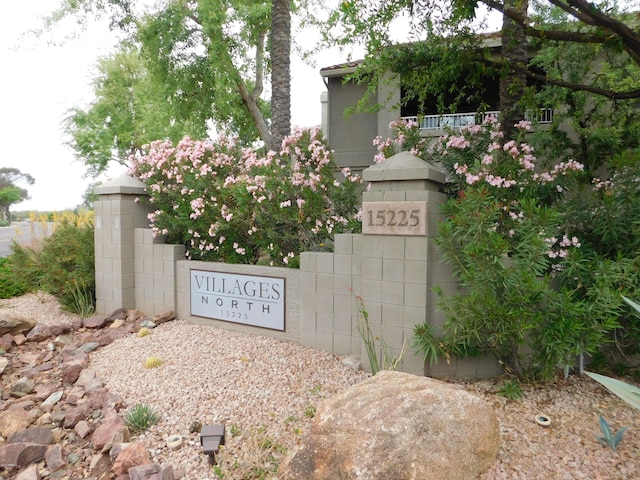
x=394 y=218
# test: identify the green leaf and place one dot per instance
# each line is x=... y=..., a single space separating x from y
x=625 y=391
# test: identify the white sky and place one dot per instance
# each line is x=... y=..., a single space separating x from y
x=39 y=83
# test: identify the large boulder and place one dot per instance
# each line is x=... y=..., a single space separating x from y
x=397 y=426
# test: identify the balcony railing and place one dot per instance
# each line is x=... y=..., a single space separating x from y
x=457 y=120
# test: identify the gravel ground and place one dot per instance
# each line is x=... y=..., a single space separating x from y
x=265 y=392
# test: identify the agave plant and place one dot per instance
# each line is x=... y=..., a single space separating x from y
x=609 y=438
x=624 y=390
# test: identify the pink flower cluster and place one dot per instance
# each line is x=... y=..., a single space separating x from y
x=228 y=202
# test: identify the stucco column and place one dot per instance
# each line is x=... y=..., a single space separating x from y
x=121 y=208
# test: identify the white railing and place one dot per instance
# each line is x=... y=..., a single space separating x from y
x=457 y=120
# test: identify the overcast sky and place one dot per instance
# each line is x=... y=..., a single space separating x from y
x=41 y=82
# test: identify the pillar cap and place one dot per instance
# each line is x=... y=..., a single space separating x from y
x=124 y=184
x=403 y=166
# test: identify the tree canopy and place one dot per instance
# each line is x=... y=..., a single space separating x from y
x=10 y=191
x=453 y=26
x=185 y=66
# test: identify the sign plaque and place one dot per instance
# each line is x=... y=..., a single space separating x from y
x=247 y=299
x=394 y=218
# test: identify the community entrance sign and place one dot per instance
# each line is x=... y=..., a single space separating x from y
x=246 y=299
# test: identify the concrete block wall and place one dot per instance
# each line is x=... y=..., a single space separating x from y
x=155 y=272
x=393 y=274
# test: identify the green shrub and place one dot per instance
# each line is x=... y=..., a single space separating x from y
x=10 y=284
x=67 y=264
x=64 y=266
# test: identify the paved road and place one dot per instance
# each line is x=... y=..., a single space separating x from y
x=22 y=232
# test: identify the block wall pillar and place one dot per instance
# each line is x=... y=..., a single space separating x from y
x=120 y=209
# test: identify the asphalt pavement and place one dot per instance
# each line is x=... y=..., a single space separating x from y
x=24 y=233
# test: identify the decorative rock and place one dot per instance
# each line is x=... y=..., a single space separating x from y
x=74 y=415
x=19 y=339
x=117 y=323
x=105 y=432
x=85 y=377
x=31 y=358
x=45 y=419
x=119 y=314
x=21 y=454
x=97 y=321
x=100 y=463
x=82 y=428
x=89 y=347
x=62 y=341
x=161 y=318
x=3 y=363
x=195 y=427
x=6 y=342
x=397 y=426
x=43 y=392
x=22 y=387
x=39 y=333
x=14 y=420
x=150 y=324
x=29 y=473
x=116 y=449
x=52 y=400
x=151 y=471
x=14 y=324
x=71 y=372
x=54 y=458
x=134 y=455
x=93 y=385
x=40 y=435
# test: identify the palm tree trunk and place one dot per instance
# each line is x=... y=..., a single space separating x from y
x=280 y=72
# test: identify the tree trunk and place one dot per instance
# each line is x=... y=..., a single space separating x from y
x=513 y=83
x=280 y=72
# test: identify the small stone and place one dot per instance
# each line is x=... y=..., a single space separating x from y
x=82 y=428
x=74 y=415
x=161 y=318
x=85 y=377
x=52 y=400
x=146 y=323
x=22 y=387
x=117 y=323
x=97 y=321
x=132 y=456
x=89 y=347
x=195 y=427
x=4 y=361
x=39 y=435
x=54 y=458
x=29 y=473
x=73 y=458
x=19 y=339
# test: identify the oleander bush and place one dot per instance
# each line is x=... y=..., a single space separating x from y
x=226 y=202
x=507 y=238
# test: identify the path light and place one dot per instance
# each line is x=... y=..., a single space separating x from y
x=211 y=437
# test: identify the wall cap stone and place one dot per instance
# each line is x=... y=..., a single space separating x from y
x=124 y=184
x=403 y=166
